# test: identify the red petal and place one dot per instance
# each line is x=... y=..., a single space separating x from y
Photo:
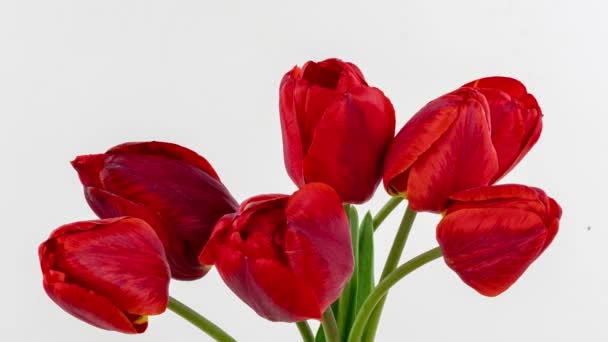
x=509 y=85
x=267 y=287
x=166 y=150
x=210 y=253
x=516 y=119
x=91 y=308
x=122 y=260
x=490 y=248
x=108 y=205
x=333 y=74
x=503 y=192
x=293 y=152
x=317 y=243
x=186 y=199
x=349 y=144
x=89 y=168
x=416 y=137
x=286 y=291
x=555 y=213
x=462 y=158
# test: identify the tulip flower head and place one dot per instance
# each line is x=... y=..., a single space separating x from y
x=490 y=235
x=172 y=188
x=336 y=128
x=287 y=257
x=468 y=138
x=110 y=273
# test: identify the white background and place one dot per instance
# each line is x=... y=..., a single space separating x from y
x=81 y=76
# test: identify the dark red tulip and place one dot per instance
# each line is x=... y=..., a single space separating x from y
x=110 y=273
x=287 y=257
x=490 y=235
x=172 y=188
x=516 y=119
x=444 y=148
x=336 y=128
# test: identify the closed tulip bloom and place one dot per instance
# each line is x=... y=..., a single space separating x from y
x=490 y=235
x=444 y=148
x=336 y=128
x=516 y=119
x=172 y=188
x=110 y=273
x=287 y=257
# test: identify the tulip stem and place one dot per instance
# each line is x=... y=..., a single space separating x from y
x=379 y=293
x=199 y=321
x=391 y=263
x=305 y=331
x=386 y=210
x=330 y=328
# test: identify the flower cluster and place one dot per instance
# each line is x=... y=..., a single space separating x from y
x=164 y=212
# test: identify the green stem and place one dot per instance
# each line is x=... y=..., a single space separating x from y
x=385 y=210
x=330 y=327
x=391 y=263
x=305 y=331
x=199 y=321
x=379 y=293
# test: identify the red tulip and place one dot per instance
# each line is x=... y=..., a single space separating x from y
x=490 y=235
x=287 y=257
x=516 y=119
x=172 y=188
x=445 y=148
x=468 y=138
x=336 y=128
x=110 y=273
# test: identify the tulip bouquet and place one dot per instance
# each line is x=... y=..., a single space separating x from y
x=165 y=214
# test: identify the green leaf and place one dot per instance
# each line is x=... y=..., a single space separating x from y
x=346 y=306
x=365 y=263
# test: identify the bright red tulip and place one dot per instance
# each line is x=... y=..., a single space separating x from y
x=110 y=273
x=516 y=119
x=445 y=148
x=490 y=235
x=336 y=128
x=172 y=188
x=287 y=257
x=468 y=138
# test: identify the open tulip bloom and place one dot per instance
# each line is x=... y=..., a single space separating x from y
x=165 y=214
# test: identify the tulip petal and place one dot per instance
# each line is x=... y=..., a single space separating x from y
x=91 y=308
x=268 y=287
x=136 y=277
x=166 y=150
x=188 y=207
x=460 y=159
x=490 y=248
x=350 y=140
x=317 y=243
x=212 y=249
x=294 y=296
x=554 y=214
x=107 y=205
x=293 y=152
x=89 y=167
x=415 y=138
x=516 y=119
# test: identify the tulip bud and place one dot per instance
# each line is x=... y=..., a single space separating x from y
x=444 y=148
x=336 y=128
x=110 y=273
x=287 y=257
x=490 y=235
x=516 y=119
x=172 y=188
